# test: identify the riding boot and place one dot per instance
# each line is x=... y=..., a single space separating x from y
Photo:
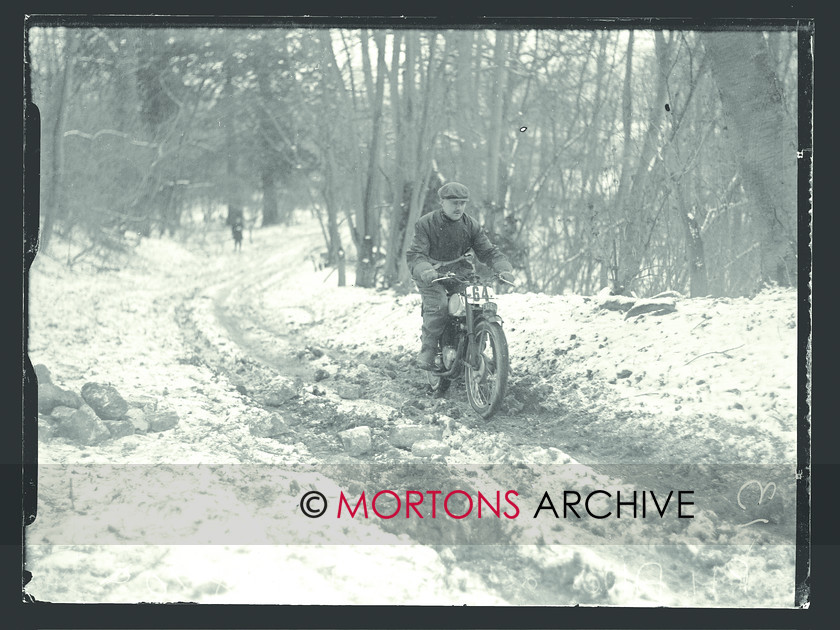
x=435 y=315
x=426 y=358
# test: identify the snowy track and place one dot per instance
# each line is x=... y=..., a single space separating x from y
x=245 y=340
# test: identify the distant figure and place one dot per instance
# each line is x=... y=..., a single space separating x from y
x=236 y=228
x=236 y=221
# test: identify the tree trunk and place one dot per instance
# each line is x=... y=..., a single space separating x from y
x=763 y=142
x=495 y=132
x=267 y=131
x=635 y=214
x=230 y=191
x=55 y=210
x=399 y=208
x=468 y=170
x=352 y=191
x=270 y=215
x=424 y=145
x=366 y=223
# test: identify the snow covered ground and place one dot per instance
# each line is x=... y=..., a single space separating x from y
x=702 y=399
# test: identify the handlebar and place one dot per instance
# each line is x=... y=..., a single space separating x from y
x=467 y=280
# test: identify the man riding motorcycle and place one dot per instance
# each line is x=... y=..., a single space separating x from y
x=441 y=238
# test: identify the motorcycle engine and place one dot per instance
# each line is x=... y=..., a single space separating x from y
x=448 y=355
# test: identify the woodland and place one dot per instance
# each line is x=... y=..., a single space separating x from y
x=644 y=160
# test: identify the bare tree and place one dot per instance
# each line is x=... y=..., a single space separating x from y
x=763 y=142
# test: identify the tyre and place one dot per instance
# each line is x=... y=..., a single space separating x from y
x=487 y=383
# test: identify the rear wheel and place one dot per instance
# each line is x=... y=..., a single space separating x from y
x=487 y=382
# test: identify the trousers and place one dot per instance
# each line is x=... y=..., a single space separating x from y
x=435 y=309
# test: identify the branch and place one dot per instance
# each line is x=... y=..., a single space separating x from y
x=110 y=132
x=715 y=352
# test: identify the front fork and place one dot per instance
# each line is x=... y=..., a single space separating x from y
x=473 y=354
x=472 y=357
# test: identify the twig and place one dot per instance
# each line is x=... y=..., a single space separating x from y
x=330 y=273
x=715 y=352
x=702 y=321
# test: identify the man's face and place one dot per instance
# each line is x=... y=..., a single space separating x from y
x=454 y=208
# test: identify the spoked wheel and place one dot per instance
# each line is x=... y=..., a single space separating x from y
x=486 y=384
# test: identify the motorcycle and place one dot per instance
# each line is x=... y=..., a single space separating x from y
x=473 y=343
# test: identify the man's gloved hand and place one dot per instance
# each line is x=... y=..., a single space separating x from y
x=428 y=275
x=507 y=276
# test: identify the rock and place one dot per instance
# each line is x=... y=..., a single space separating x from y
x=404 y=436
x=105 y=400
x=279 y=394
x=45 y=430
x=119 y=428
x=279 y=426
x=51 y=396
x=162 y=419
x=657 y=307
x=84 y=427
x=316 y=352
x=350 y=392
x=137 y=417
x=428 y=448
x=668 y=294
x=617 y=302
x=624 y=374
x=321 y=374
x=242 y=389
x=59 y=414
x=42 y=374
x=356 y=441
x=141 y=401
x=270 y=427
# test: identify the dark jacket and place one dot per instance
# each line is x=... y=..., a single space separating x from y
x=437 y=239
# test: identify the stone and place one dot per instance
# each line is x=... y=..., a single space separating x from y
x=61 y=413
x=356 y=441
x=142 y=401
x=278 y=426
x=348 y=391
x=616 y=302
x=119 y=428
x=656 y=306
x=83 y=426
x=137 y=417
x=321 y=374
x=105 y=400
x=42 y=374
x=270 y=427
x=162 y=419
x=45 y=430
x=405 y=435
x=429 y=448
x=624 y=374
x=278 y=397
x=51 y=396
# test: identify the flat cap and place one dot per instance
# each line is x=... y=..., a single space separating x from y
x=453 y=190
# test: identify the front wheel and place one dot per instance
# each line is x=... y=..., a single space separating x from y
x=486 y=383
